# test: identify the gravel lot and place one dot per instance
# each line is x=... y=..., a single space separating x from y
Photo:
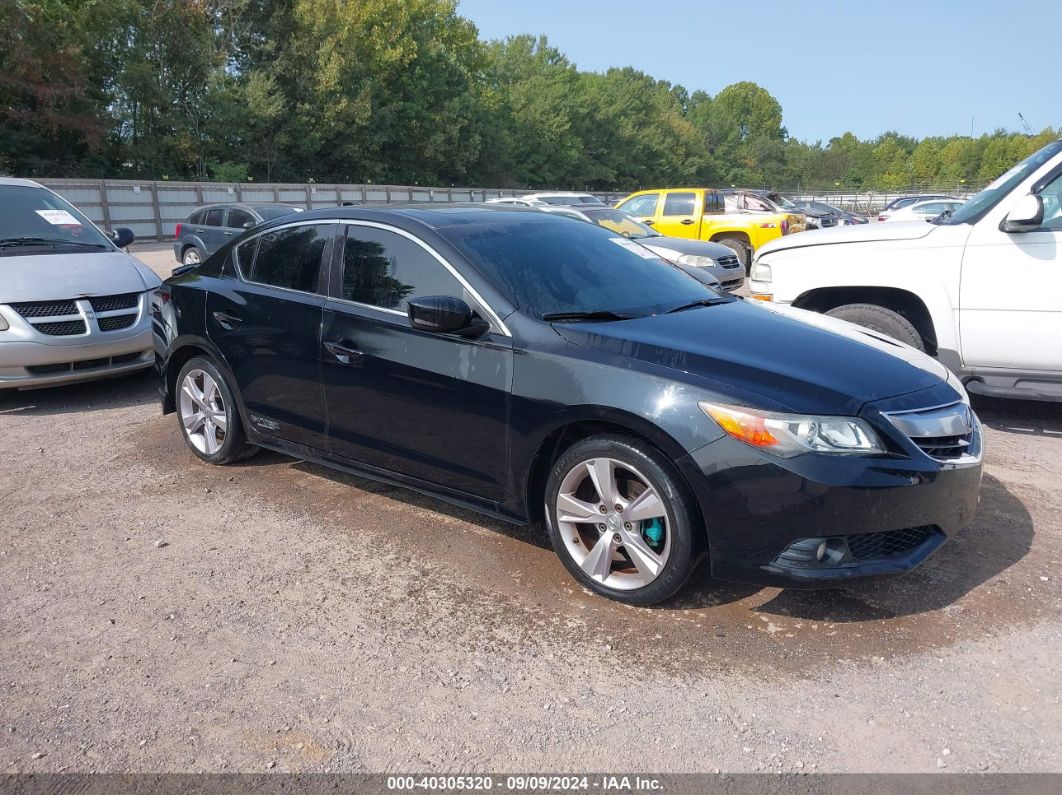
x=159 y=614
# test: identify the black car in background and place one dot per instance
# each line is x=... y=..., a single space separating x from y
x=528 y=367
x=843 y=217
x=210 y=227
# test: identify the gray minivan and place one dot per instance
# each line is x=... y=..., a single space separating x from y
x=209 y=228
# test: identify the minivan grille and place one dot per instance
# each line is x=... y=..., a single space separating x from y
x=30 y=309
x=66 y=328
x=109 y=303
x=116 y=322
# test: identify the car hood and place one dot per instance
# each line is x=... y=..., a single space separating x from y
x=700 y=248
x=794 y=360
x=862 y=233
x=46 y=277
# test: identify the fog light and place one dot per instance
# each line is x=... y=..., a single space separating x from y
x=831 y=551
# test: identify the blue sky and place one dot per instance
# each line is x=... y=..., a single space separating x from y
x=922 y=68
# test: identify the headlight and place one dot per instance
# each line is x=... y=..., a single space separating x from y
x=788 y=435
x=761 y=272
x=694 y=261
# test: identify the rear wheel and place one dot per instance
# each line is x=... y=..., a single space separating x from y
x=206 y=408
x=621 y=521
x=191 y=256
x=740 y=247
x=882 y=320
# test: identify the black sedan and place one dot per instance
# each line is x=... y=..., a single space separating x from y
x=531 y=367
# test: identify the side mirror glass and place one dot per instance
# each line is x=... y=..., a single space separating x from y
x=1026 y=215
x=249 y=225
x=441 y=314
x=122 y=236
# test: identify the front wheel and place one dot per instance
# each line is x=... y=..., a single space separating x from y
x=210 y=420
x=621 y=520
x=882 y=320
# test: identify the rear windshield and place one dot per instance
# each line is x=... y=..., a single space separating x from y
x=35 y=218
x=560 y=266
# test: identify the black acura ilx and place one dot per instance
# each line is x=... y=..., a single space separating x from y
x=534 y=367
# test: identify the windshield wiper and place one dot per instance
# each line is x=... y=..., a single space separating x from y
x=697 y=303
x=597 y=314
x=38 y=241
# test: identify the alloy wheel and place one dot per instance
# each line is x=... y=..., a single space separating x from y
x=613 y=523
x=191 y=257
x=203 y=412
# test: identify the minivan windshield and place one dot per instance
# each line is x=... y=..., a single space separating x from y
x=550 y=266
x=32 y=217
x=972 y=210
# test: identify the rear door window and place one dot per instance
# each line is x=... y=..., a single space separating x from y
x=214 y=217
x=291 y=257
x=240 y=219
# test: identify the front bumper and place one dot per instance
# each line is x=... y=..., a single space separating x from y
x=767 y=517
x=30 y=359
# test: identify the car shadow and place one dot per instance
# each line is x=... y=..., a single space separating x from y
x=1001 y=536
x=117 y=392
x=1022 y=417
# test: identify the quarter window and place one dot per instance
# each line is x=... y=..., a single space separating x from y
x=384 y=269
x=680 y=203
x=713 y=203
x=291 y=257
x=642 y=206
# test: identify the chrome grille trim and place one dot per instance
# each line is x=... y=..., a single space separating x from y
x=949 y=433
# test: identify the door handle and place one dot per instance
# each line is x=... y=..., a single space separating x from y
x=228 y=322
x=649 y=221
x=686 y=221
x=342 y=353
x=230 y=233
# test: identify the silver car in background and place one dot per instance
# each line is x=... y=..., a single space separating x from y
x=696 y=257
x=73 y=305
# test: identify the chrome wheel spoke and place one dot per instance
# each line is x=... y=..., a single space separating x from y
x=193 y=422
x=603 y=474
x=220 y=420
x=210 y=433
x=572 y=509
x=646 y=505
x=191 y=389
x=598 y=564
x=210 y=393
x=642 y=556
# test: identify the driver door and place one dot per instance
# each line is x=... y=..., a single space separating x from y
x=1010 y=297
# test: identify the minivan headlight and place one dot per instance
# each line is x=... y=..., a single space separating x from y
x=761 y=272
x=695 y=261
x=787 y=435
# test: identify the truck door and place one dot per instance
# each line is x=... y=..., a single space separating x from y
x=1010 y=296
x=680 y=215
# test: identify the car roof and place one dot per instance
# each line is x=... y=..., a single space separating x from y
x=437 y=216
x=16 y=182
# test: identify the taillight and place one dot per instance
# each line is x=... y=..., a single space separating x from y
x=882 y=217
x=177 y=231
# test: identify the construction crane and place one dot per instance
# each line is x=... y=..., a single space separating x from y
x=1025 y=124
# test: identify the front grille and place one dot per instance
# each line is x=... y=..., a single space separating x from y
x=894 y=543
x=829 y=221
x=729 y=261
x=116 y=322
x=109 y=303
x=945 y=433
x=731 y=284
x=65 y=328
x=29 y=309
x=944 y=447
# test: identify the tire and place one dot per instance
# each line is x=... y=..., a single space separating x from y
x=200 y=428
x=191 y=256
x=641 y=557
x=740 y=247
x=884 y=321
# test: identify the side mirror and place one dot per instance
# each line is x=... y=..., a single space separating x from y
x=249 y=225
x=440 y=314
x=122 y=236
x=1026 y=215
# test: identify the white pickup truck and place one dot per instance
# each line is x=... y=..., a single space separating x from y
x=981 y=288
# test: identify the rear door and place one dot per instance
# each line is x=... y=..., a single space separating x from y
x=428 y=406
x=212 y=229
x=680 y=214
x=267 y=326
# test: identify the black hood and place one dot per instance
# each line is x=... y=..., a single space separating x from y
x=797 y=360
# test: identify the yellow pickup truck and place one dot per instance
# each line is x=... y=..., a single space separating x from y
x=701 y=214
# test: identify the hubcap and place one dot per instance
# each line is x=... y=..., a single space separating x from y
x=203 y=412
x=191 y=257
x=613 y=523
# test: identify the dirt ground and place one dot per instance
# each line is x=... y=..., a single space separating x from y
x=158 y=614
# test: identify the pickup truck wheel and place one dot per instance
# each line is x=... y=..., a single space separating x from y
x=884 y=321
x=741 y=248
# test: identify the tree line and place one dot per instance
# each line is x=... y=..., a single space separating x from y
x=400 y=93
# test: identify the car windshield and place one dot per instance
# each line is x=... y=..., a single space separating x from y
x=972 y=210
x=620 y=222
x=271 y=211
x=782 y=201
x=37 y=218
x=546 y=266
